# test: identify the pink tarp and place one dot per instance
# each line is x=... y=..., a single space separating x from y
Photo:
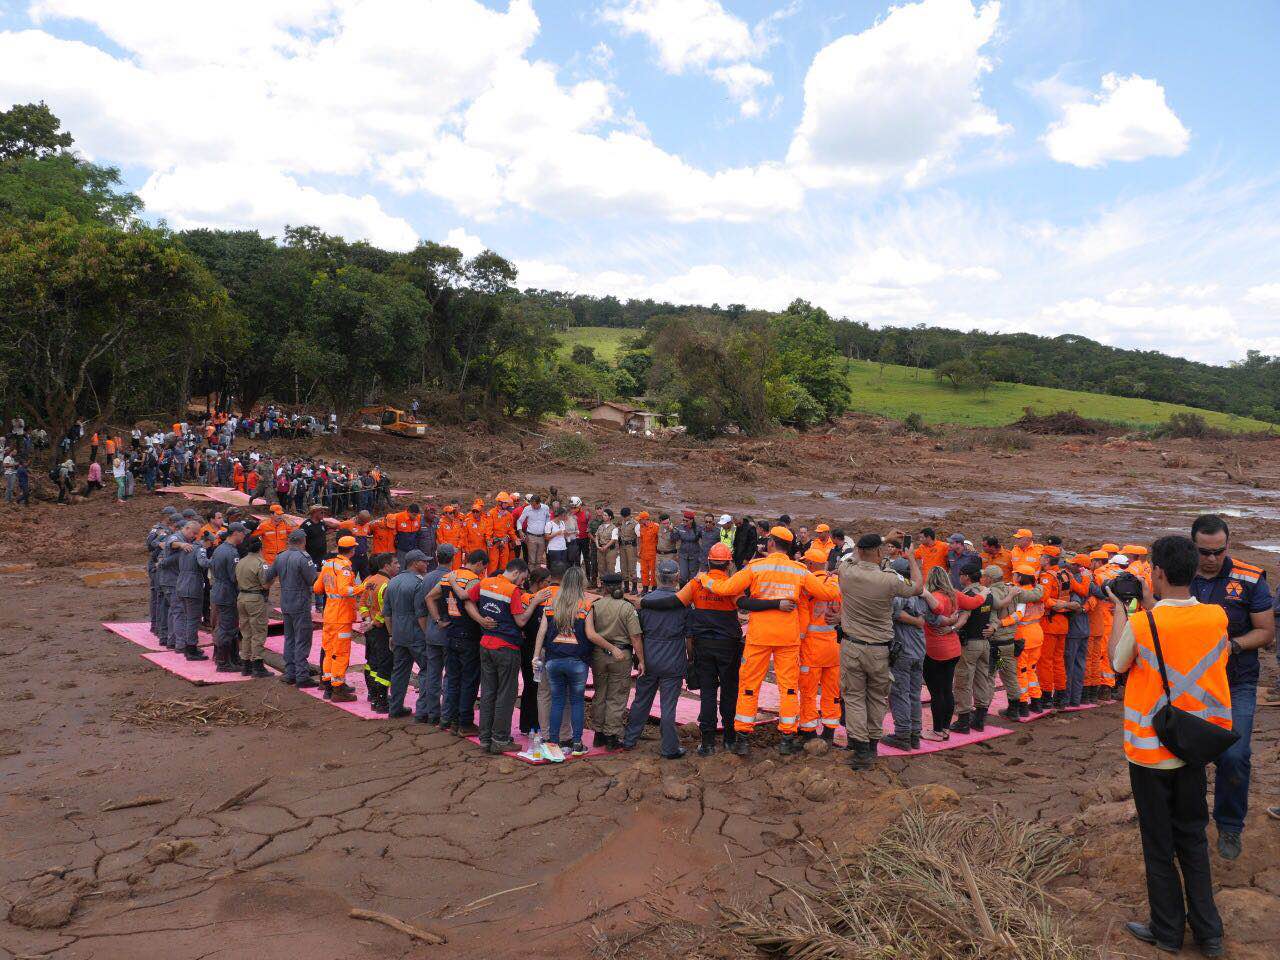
x=199 y=672
x=140 y=633
x=933 y=746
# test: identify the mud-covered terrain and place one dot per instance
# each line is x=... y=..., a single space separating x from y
x=509 y=860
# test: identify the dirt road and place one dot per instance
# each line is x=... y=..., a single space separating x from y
x=508 y=860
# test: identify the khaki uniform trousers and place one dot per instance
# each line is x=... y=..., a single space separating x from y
x=865 y=679
x=974 y=685
x=612 y=680
x=251 y=610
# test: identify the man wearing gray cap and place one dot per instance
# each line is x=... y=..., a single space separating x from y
x=408 y=642
x=297 y=575
x=960 y=555
x=222 y=594
x=1004 y=648
x=251 y=607
x=160 y=531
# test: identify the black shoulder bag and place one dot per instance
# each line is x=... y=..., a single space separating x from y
x=1186 y=736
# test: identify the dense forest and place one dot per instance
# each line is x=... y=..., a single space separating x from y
x=104 y=317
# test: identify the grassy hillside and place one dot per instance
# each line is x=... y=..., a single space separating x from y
x=899 y=391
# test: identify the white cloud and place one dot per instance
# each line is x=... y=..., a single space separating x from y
x=468 y=243
x=1147 y=292
x=896 y=100
x=1127 y=120
x=436 y=96
x=1194 y=330
x=261 y=197
x=1267 y=294
x=688 y=34
x=701 y=35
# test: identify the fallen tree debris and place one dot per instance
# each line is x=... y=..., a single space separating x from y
x=395 y=923
x=240 y=797
x=223 y=712
x=946 y=885
x=136 y=802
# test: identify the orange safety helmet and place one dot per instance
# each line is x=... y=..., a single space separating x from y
x=719 y=552
x=344 y=542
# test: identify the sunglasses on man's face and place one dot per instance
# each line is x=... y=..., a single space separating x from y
x=1212 y=551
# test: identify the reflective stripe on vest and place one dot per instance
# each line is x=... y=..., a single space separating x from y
x=1180 y=684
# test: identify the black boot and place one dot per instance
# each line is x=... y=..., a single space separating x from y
x=741 y=745
x=915 y=741
x=223 y=666
x=829 y=734
x=961 y=724
x=708 y=746
x=1036 y=705
x=1024 y=710
x=259 y=669
x=246 y=668
x=979 y=719
x=788 y=745
x=862 y=755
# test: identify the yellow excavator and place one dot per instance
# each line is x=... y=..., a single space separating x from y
x=385 y=419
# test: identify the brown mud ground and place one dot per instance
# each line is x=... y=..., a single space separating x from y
x=509 y=860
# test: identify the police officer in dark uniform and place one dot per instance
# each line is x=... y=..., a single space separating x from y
x=1241 y=589
x=663 y=665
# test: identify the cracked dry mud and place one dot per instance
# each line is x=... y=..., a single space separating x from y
x=418 y=825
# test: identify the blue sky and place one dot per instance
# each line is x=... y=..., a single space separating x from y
x=1103 y=168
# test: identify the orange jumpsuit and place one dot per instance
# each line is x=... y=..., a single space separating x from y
x=819 y=660
x=450 y=531
x=237 y=476
x=338 y=584
x=502 y=538
x=1051 y=668
x=772 y=635
x=1026 y=620
x=1097 y=670
x=274 y=533
x=475 y=535
x=384 y=535
x=1003 y=559
x=648 y=542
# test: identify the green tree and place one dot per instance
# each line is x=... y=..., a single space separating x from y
x=88 y=310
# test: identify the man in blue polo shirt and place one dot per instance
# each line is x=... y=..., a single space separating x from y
x=1241 y=589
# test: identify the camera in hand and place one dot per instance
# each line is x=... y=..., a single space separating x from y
x=1127 y=587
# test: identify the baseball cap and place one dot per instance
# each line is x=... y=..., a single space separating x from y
x=956 y=538
x=1099 y=555
x=297 y=536
x=993 y=572
x=1120 y=560
x=1133 y=550
x=814 y=555
x=1110 y=547
x=668 y=568
x=189 y=514
x=782 y=533
x=575 y=501
x=277 y=509
x=1081 y=559
x=477 y=504
x=822 y=528
x=1024 y=532
x=688 y=514
x=724 y=518
x=1051 y=551
x=410 y=558
x=898 y=565
x=643 y=515
x=169 y=510
x=346 y=542
x=719 y=551
x=871 y=541
x=1026 y=569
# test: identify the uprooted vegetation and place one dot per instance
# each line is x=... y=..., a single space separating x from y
x=1062 y=423
x=954 y=885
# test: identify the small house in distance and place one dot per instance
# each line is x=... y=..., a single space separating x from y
x=624 y=416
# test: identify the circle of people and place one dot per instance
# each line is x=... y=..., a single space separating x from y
x=522 y=601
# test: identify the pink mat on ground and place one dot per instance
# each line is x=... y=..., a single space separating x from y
x=1000 y=701
x=199 y=672
x=140 y=633
x=933 y=746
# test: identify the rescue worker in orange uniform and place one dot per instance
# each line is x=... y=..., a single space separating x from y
x=274 y=534
x=1025 y=549
x=1025 y=618
x=237 y=475
x=1139 y=565
x=408 y=523
x=930 y=552
x=1051 y=668
x=475 y=533
x=773 y=636
x=648 y=540
x=994 y=555
x=337 y=581
x=819 y=651
x=502 y=533
x=822 y=540
x=449 y=531
x=383 y=535
x=361 y=528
